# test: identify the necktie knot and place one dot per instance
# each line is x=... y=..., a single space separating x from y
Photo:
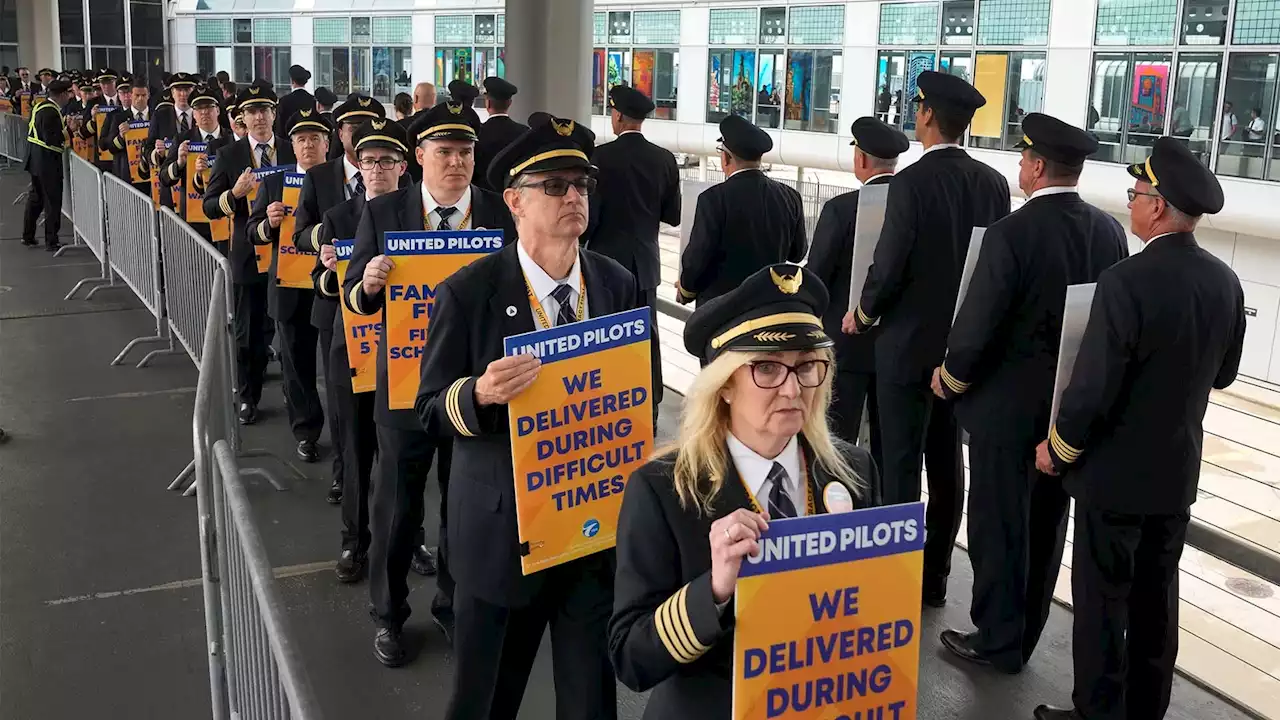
x=445 y=213
x=208 y=137
x=780 y=504
x=566 y=314
x=358 y=182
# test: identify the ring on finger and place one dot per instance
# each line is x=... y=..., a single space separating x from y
x=727 y=536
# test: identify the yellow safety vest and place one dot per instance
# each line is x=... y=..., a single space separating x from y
x=32 y=136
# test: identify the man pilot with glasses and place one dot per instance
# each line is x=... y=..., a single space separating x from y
x=446 y=199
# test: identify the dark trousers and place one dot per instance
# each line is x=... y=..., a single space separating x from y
x=45 y=197
x=1124 y=584
x=1017 y=529
x=298 y=365
x=494 y=647
x=912 y=424
x=251 y=323
x=404 y=460
x=853 y=392
x=355 y=441
x=650 y=297
x=332 y=411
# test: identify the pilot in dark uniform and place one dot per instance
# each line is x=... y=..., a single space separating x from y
x=326 y=186
x=173 y=170
x=1000 y=367
x=138 y=110
x=227 y=195
x=747 y=222
x=172 y=121
x=466 y=384
x=106 y=97
x=377 y=142
x=45 y=145
x=875 y=158
x=499 y=130
x=1166 y=327
x=911 y=288
x=444 y=200
x=683 y=531
x=290 y=308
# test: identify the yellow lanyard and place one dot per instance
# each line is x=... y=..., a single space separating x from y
x=804 y=480
x=541 y=314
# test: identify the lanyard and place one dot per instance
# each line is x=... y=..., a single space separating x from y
x=804 y=478
x=542 y=314
x=426 y=219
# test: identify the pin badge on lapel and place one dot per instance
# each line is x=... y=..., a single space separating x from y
x=511 y=311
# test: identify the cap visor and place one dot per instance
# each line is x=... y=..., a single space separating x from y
x=1139 y=171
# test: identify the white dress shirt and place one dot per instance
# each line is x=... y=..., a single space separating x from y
x=216 y=132
x=543 y=285
x=754 y=471
x=253 y=148
x=461 y=208
x=941 y=146
x=742 y=170
x=876 y=177
x=1056 y=190
x=134 y=112
x=180 y=114
x=349 y=171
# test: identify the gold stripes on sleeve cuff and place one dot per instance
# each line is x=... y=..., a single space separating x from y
x=224 y=202
x=1061 y=448
x=173 y=173
x=687 y=295
x=118 y=143
x=324 y=282
x=315 y=238
x=956 y=386
x=864 y=318
x=264 y=230
x=355 y=300
x=453 y=406
x=674 y=629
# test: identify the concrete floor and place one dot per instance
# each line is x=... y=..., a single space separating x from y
x=100 y=602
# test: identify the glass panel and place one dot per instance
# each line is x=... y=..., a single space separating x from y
x=213 y=32
x=1127 y=110
x=1147 y=105
x=454 y=29
x=243 y=66
x=1257 y=22
x=1014 y=22
x=401 y=71
x=597 y=80
x=381 y=64
x=272 y=64
x=361 y=71
x=733 y=27
x=8 y=30
x=330 y=31
x=773 y=26
x=243 y=29
x=333 y=70
x=1249 y=100
x=1195 y=102
x=1204 y=22
x=730 y=90
x=619 y=27
x=486 y=30
x=486 y=63
x=395 y=30
x=146 y=27
x=896 y=72
x=958 y=64
x=452 y=63
x=71 y=26
x=957 y=22
x=206 y=61
x=797 y=98
x=502 y=29
x=771 y=80
x=147 y=63
x=112 y=57
x=817 y=25
x=909 y=23
x=617 y=67
x=272 y=31
x=657 y=27
x=72 y=57
x=666 y=79
x=1136 y=22
x=361 y=31
x=1013 y=84
x=107 y=24
x=599 y=25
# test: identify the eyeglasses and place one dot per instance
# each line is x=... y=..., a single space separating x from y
x=386 y=163
x=1134 y=194
x=770 y=374
x=558 y=186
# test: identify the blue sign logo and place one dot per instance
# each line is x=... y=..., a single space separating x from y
x=590 y=528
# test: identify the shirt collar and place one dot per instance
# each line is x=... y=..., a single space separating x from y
x=494 y=115
x=630 y=132
x=253 y=144
x=749 y=169
x=1158 y=237
x=754 y=470
x=877 y=177
x=462 y=206
x=1055 y=190
x=542 y=283
x=942 y=146
x=349 y=170
x=216 y=132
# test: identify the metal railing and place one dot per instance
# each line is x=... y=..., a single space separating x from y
x=190 y=268
x=255 y=668
x=13 y=139
x=89 y=220
x=133 y=244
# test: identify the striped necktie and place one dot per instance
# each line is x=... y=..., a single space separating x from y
x=780 y=505
x=566 y=314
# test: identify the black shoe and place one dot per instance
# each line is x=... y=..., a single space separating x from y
x=53 y=246
x=423 y=562
x=30 y=243
x=442 y=616
x=3 y=436
x=934 y=594
x=335 y=494
x=1044 y=712
x=388 y=647
x=307 y=451
x=961 y=645
x=350 y=567
x=248 y=414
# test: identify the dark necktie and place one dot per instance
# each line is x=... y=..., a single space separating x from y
x=182 y=124
x=137 y=116
x=566 y=314
x=359 y=190
x=445 y=213
x=208 y=138
x=780 y=505
x=264 y=159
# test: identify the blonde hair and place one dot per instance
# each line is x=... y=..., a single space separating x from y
x=704 y=427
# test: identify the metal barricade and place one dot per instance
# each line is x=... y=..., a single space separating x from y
x=67 y=206
x=90 y=221
x=134 y=243
x=255 y=667
x=13 y=139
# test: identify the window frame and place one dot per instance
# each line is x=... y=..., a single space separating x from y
x=629 y=50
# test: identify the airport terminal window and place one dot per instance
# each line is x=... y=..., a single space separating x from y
x=957 y=22
x=1136 y=22
x=773 y=26
x=243 y=29
x=272 y=64
x=657 y=27
x=812 y=95
x=1257 y=22
x=1127 y=104
x=1248 y=150
x=468 y=47
x=453 y=63
x=333 y=69
x=909 y=23
x=106 y=26
x=733 y=27
x=598 y=33
x=363 y=54
x=1204 y=22
x=71 y=25
x=330 y=31
x=1014 y=22
x=1194 y=116
x=896 y=75
x=959 y=64
x=272 y=31
x=1013 y=83
x=619 y=28
x=486 y=30
x=655 y=73
x=732 y=90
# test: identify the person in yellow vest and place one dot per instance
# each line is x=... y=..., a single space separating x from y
x=45 y=140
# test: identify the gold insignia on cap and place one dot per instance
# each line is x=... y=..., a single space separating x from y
x=787 y=284
x=563 y=128
x=254 y=90
x=378 y=124
x=455 y=109
x=817 y=334
x=1026 y=139
x=304 y=113
x=773 y=337
x=364 y=102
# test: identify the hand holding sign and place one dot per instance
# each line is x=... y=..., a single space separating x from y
x=505 y=378
x=245 y=184
x=123 y=127
x=733 y=537
x=202 y=161
x=375 y=274
x=183 y=149
x=275 y=214
x=329 y=257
